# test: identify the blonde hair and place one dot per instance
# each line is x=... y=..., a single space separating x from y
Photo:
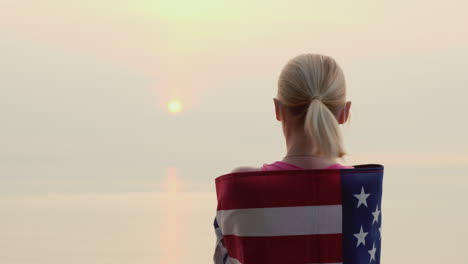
x=314 y=75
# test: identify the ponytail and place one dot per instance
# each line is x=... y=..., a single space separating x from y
x=321 y=125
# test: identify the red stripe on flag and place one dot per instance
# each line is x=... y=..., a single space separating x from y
x=325 y=248
x=277 y=189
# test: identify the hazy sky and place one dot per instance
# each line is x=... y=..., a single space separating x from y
x=84 y=88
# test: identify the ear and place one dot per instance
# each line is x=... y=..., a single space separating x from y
x=344 y=113
x=277 y=109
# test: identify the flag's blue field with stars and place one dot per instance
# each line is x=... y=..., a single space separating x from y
x=362 y=217
x=327 y=216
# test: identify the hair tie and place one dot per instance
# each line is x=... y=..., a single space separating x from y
x=316 y=97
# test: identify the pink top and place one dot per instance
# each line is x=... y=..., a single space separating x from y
x=280 y=165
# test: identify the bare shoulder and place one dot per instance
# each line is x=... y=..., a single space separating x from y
x=245 y=168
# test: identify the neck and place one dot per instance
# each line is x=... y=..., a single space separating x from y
x=298 y=143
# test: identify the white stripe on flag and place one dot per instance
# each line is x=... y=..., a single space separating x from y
x=220 y=250
x=281 y=221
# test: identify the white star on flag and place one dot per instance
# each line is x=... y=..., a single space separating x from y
x=361 y=237
x=362 y=197
x=376 y=215
x=372 y=253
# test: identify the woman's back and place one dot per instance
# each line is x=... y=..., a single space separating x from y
x=281 y=165
x=299 y=216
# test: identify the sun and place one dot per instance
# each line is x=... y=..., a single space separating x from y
x=174 y=106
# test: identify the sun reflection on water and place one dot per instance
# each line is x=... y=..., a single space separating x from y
x=172 y=227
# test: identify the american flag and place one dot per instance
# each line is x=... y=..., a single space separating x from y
x=300 y=216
